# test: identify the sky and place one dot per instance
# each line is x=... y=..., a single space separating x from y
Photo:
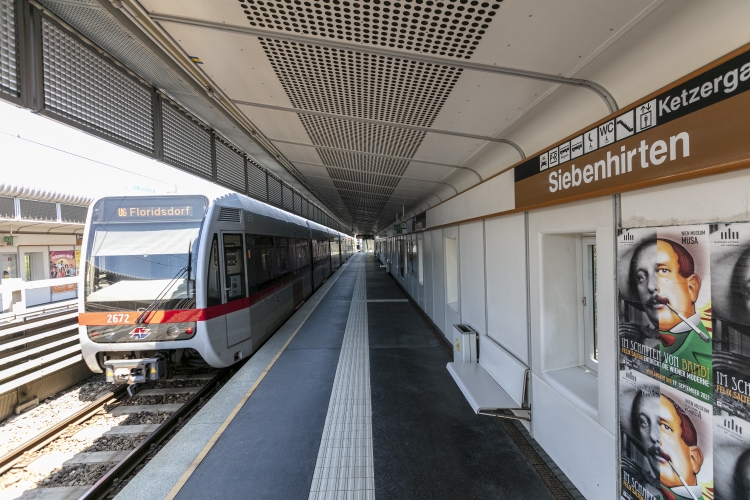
x=39 y=152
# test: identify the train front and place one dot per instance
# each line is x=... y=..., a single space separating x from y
x=139 y=296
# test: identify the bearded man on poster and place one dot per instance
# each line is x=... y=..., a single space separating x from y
x=662 y=275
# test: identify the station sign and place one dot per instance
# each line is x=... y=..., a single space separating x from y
x=698 y=126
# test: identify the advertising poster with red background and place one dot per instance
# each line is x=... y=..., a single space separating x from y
x=62 y=264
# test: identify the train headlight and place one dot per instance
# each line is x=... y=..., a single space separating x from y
x=173 y=331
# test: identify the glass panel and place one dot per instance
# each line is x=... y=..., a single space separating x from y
x=234 y=265
x=594 y=305
x=214 y=276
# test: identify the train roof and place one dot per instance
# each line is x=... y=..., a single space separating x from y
x=235 y=200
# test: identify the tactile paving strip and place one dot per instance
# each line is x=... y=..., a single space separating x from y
x=344 y=468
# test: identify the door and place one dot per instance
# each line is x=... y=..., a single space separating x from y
x=235 y=289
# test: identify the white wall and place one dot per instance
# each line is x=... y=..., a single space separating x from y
x=505 y=241
x=428 y=276
x=582 y=407
x=438 y=281
x=718 y=198
x=471 y=258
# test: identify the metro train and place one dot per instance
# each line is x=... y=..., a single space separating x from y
x=181 y=279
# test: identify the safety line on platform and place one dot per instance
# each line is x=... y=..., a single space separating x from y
x=344 y=468
x=198 y=459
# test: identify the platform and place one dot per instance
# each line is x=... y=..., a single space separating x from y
x=350 y=399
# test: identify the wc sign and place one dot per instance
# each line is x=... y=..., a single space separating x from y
x=606 y=133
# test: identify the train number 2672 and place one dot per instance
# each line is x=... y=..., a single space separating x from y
x=118 y=318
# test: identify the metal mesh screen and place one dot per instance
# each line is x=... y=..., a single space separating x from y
x=288 y=199
x=297 y=204
x=230 y=166
x=303 y=207
x=38 y=210
x=72 y=213
x=9 y=79
x=274 y=191
x=90 y=91
x=7 y=208
x=187 y=144
x=256 y=182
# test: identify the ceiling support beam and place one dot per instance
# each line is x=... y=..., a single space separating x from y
x=599 y=90
x=383 y=123
x=387 y=196
x=375 y=173
x=370 y=185
x=378 y=155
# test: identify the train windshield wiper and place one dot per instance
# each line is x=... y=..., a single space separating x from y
x=185 y=270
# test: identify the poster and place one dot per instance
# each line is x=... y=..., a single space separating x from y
x=63 y=264
x=666 y=376
x=730 y=257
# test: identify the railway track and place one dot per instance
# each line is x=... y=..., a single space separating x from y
x=92 y=453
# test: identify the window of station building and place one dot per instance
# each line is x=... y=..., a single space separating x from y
x=451 y=273
x=420 y=260
x=402 y=257
x=414 y=267
x=588 y=302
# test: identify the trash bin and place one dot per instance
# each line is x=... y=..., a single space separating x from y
x=464 y=344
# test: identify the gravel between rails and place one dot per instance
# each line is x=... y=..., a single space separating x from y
x=14 y=430
x=18 y=428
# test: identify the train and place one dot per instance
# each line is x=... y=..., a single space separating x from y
x=181 y=279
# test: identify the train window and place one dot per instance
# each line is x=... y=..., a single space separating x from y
x=283 y=257
x=259 y=262
x=588 y=302
x=302 y=254
x=234 y=266
x=214 y=276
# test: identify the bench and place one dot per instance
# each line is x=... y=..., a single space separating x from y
x=481 y=389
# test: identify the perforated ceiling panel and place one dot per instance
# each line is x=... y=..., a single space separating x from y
x=368 y=86
x=446 y=28
x=8 y=49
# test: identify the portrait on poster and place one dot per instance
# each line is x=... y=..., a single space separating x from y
x=666 y=441
x=664 y=286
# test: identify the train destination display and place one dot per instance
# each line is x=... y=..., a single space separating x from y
x=684 y=363
x=151 y=209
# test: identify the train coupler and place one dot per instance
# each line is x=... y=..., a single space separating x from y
x=135 y=371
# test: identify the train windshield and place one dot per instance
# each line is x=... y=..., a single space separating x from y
x=142 y=253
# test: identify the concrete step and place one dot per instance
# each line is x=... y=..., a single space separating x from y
x=199 y=376
x=97 y=457
x=116 y=430
x=131 y=409
x=59 y=493
x=171 y=390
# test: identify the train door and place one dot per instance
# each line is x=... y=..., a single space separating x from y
x=235 y=289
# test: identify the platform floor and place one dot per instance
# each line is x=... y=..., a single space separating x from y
x=358 y=404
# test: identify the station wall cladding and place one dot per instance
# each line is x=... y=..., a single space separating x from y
x=662 y=187
x=683 y=291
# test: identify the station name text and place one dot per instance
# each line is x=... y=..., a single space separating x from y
x=643 y=156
